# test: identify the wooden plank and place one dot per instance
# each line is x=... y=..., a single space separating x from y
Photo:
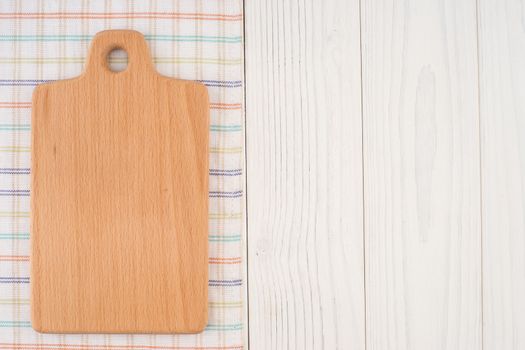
x=119 y=198
x=502 y=110
x=421 y=175
x=304 y=178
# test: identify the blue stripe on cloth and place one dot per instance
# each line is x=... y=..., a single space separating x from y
x=213 y=283
x=213 y=172
x=209 y=327
x=212 y=194
x=14 y=192
x=34 y=82
x=221 y=194
x=17 y=171
x=224 y=283
x=220 y=172
x=14 y=280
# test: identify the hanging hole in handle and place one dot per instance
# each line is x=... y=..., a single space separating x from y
x=117 y=60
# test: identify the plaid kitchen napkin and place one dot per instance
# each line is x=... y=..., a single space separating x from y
x=201 y=40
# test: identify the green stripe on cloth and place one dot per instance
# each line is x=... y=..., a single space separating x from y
x=15 y=127
x=5 y=301
x=212 y=304
x=231 y=304
x=14 y=214
x=14 y=236
x=210 y=327
x=25 y=214
x=225 y=216
x=14 y=149
x=211 y=238
x=224 y=327
x=27 y=127
x=225 y=128
x=81 y=60
x=225 y=150
x=225 y=238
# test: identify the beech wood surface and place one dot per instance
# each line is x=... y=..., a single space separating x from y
x=119 y=206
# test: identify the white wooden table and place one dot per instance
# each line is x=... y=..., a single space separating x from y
x=385 y=156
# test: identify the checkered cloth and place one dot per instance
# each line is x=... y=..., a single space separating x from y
x=42 y=41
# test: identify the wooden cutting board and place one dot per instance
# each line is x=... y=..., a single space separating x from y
x=119 y=198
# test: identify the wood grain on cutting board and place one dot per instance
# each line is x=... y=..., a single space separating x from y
x=119 y=198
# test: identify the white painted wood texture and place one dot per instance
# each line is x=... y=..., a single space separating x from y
x=304 y=175
x=502 y=95
x=386 y=174
x=421 y=175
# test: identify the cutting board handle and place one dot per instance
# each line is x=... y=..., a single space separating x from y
x=130 y=41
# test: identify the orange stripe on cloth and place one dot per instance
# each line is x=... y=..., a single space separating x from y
x=14 y=258
x=225 y=105
x=23 y=346
x=15 y=104
x=122 y=15
x=223 y=261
